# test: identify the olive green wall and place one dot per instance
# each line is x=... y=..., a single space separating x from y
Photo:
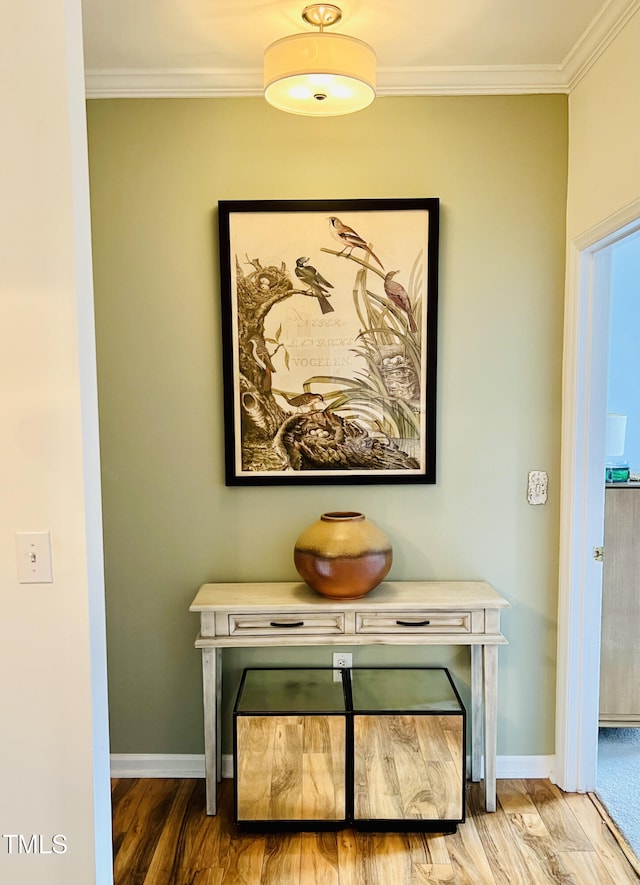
x=158 y=169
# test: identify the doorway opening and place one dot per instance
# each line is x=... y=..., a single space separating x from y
x=585 y=372
x=618 y=769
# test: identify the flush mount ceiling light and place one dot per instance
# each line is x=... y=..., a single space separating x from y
x=319 y=74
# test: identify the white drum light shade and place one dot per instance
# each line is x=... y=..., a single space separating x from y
x=319 y=74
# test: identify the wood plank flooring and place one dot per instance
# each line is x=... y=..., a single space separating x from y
x=538 y=836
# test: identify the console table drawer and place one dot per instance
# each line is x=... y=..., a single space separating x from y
x=297 y=623
x=413 y=622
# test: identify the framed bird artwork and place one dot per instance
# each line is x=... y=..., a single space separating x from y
x=329 y=316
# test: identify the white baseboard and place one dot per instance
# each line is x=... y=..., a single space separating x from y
x=158 y=765
x=525 y=766
x=512 y=767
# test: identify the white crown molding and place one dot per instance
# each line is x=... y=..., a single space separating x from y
x=173 y=83
x=200 y=83
x=605 y=27
x=479 y=80
x=463 y=80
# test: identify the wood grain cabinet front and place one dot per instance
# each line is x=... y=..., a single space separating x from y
x=409 y=729
x=620 y=636
x=290 y=748
x=378 y=748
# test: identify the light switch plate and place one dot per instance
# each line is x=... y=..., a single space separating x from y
x=537 y=487
x=33 y=551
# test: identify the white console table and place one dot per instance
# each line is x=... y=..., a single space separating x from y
x=395 y=613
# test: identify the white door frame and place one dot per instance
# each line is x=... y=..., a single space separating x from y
x=584 y=395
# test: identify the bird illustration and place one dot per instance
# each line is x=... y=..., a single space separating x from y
x=263 y=359
x=305 y=401
x=398 y=294
x=349 y=239
x=317 y=284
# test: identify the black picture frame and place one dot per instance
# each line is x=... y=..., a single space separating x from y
x=329 y=321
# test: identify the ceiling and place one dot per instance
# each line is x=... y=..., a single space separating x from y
x=215 y=47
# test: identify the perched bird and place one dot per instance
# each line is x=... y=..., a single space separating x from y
x=263 y=359
x=305 y=401
x=349 y=239
x=398 y=294
x=317 y=284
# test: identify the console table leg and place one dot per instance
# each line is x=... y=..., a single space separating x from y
x=476 y=712
x=211 y=701
x=218 y=714
x=490 y=661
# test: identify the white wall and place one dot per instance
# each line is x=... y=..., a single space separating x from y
x=51 y=635
x=604 y=134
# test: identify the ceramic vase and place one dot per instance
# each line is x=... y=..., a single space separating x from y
x=343 y=555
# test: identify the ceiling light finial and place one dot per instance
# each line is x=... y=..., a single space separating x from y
x=318 y=74
x=322 y=15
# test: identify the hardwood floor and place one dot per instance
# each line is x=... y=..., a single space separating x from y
x=539 y=835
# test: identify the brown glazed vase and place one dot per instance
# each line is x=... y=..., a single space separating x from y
x=343 y=555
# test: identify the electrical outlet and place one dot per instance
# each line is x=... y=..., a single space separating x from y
x=341 y=661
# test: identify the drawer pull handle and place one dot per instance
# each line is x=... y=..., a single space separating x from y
x=289 y=624
x=413 y=623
